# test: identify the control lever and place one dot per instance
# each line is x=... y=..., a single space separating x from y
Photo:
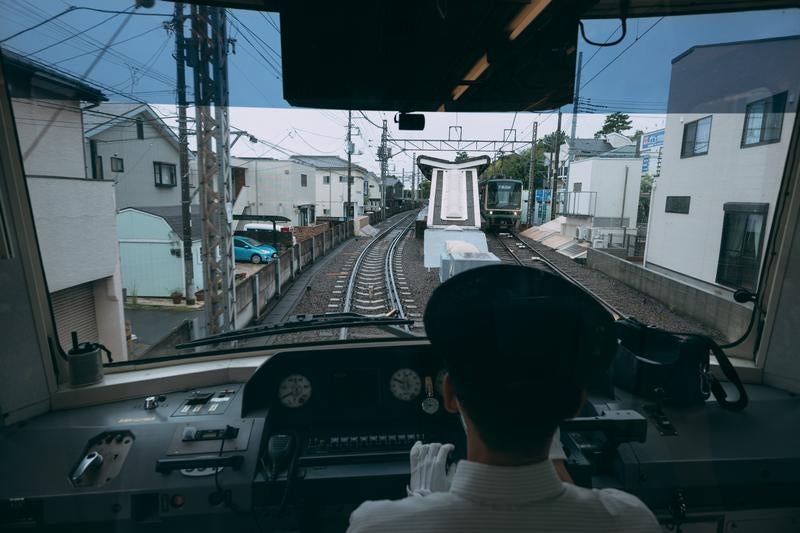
x=92 y=460
x=279 y=452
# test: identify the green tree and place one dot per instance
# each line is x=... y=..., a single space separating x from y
x=615 y=123
x=548 y=140
x=461 y=156
x=517 y=166
x=425 y=189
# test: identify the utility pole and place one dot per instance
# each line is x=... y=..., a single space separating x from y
x=556 y=149
x=210 y=62
x=413 y=176
x=575 y=108
x=183 y=147
x=349 y=162
x=383 y=155
x=531 y=174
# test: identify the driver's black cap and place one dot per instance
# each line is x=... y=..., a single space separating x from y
x=524 y=322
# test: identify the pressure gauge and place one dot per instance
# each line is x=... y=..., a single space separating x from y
x=294 y=390
x=405 y=384
x=430 y=405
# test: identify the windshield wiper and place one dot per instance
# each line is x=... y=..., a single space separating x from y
x=307 y=323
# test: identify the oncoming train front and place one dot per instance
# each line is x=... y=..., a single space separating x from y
x=501 y=202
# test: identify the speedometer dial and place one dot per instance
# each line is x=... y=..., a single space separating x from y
x=405 y=384
x=294 y=390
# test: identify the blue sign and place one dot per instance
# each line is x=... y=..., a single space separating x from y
x=645 y=164
x=652 y=139
x=543 y=195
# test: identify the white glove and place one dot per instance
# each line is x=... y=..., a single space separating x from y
x=429 y=471
x=556 y=449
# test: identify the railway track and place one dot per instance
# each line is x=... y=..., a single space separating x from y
x=512 y=249
x=376 y=285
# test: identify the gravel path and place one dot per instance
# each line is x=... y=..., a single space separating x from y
x=624 y=298
x=325 y=292
x=422 y=281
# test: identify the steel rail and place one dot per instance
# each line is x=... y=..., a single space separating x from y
x=391 y=284
x=351 y=284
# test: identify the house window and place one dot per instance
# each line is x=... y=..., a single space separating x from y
x=326 y=180
x=763 y=120
x=139 y=129
x=742 y=240
x=303 y=180
x=117 y=165
x=342 y=179
x=695 y=137
x=678 y=204
x=165 y=174
x=576 y=187
x=326 y=211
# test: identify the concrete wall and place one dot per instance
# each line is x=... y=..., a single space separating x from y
x=719 y=81
x=77 y=229
x=606 y=177
x=51 y=137
x=135 y=186
x=727 y=317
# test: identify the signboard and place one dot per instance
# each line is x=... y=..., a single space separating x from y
x=652 y=139
x=645 y=164
x=543 y=195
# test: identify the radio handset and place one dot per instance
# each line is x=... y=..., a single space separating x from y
x=279 y=453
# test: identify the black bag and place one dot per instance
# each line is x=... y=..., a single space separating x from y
x=672 y=367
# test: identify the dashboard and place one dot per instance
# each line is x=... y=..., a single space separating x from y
x=314 y=433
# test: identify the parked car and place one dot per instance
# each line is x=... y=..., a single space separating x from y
x=247 y=249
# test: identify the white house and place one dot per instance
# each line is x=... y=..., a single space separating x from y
x=151 y=250
x=373 y=192
x=731 y=113
x=278 y=187
x=131 y=145
x=602 y=197
x=75 y=216
x=331 y=185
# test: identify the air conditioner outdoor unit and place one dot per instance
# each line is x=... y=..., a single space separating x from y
x=586 y=234
x=578 y=233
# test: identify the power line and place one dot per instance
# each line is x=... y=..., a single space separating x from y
x=270 y=22
x=70 y=9
x=622 y=52
x=256 y=36
x=68 y=37
x=265 y=58
x=151 y=30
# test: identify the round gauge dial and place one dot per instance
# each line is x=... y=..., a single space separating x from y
x=294 y=390
x=439 y=383
x=405 y=384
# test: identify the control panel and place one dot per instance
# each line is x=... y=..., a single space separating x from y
x=341 y=448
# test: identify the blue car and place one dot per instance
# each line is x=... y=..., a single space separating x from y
x=246 y=249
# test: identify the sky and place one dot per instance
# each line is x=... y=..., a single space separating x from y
x=632 y=76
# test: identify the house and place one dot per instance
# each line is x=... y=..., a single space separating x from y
x=151 y=250
x=373 y=195
x=394 y=193
x=331 y=185
x=131 y=145
x=601 y=202
x=725 y=147
x=75 y=215
x=278 y=187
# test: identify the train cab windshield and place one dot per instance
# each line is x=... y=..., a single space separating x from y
x=504 y=194
x=222 y=224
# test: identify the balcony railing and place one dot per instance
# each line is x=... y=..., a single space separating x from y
x=581 y=204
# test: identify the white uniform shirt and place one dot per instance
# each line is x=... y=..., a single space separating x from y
x=502 y=498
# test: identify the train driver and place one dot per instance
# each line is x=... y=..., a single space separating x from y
x=520 y=348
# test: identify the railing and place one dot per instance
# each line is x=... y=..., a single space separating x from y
x=577 y=203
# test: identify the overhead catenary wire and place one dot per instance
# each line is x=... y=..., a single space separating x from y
x=71 y=9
